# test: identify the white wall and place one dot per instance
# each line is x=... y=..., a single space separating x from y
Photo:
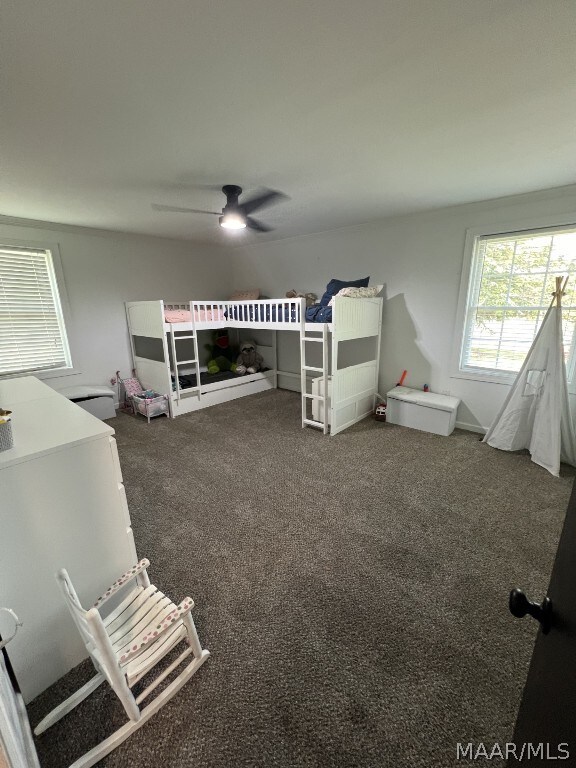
x=419 y=259
x=102 y=270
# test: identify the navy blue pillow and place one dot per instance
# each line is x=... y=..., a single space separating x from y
x=334 y=286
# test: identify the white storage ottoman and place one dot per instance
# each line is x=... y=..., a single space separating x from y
x=96 y=399
x=422 y=410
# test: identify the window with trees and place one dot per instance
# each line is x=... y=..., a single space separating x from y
x=510 y=288
x=32 y=328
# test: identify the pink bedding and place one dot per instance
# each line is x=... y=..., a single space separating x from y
x=185 y=316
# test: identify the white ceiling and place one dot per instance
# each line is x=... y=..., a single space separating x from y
x=356 y=110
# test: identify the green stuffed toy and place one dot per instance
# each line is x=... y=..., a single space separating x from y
x=222 y=355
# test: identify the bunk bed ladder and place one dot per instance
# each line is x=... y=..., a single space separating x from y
x=322 y=396
x=177 y=363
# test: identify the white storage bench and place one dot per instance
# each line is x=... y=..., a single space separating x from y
x=96 y=399
x=422 y=410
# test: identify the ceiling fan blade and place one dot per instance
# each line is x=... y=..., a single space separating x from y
x=175 y=209
x=257 y=225
x=267 y=198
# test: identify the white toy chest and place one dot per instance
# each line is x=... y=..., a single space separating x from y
x=96 y=399
x=422 y=410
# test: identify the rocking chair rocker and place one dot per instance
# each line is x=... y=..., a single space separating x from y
x=125 y=645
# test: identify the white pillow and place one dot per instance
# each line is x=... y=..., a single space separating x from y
x=359 y=293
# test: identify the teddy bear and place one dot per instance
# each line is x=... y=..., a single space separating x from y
x=311 y=298
x=249 y=360
x=222 y=355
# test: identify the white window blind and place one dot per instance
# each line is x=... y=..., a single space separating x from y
x=32 y=332
x=511 y=286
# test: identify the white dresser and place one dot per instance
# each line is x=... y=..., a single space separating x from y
x=62 y=504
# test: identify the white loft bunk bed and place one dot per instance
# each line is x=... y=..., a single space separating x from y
x=351 y=390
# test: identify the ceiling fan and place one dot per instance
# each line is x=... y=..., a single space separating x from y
x=235 y=215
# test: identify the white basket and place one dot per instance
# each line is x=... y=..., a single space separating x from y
x=6 y=440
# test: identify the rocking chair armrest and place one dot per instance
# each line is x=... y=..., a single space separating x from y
x=152 y=635
x=124 y=579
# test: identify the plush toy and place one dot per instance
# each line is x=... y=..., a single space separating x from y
x=222 y=355
x=249 y=360
x=311 y=298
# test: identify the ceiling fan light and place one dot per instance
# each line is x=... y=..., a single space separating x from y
x=232 y=221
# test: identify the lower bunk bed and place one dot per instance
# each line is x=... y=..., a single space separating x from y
x=165 y=338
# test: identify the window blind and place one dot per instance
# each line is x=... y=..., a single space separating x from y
x=32 y=332
x=511 y=283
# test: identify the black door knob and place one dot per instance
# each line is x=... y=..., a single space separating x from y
x=520 y=606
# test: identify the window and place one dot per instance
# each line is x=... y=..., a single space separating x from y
x=32 y=329
x=512 y=278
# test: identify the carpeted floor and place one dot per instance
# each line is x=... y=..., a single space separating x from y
x=352 y=590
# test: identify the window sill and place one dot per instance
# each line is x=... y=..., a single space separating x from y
x=54 y=373
x=498 y=378
x=489 y=378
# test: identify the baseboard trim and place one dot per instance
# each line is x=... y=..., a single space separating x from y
x=471 y=427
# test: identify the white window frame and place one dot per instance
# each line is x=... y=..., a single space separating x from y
x=62 y=297
x=472 y=236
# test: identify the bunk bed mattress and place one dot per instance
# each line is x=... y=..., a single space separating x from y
x=200 y=315
x=188 y=380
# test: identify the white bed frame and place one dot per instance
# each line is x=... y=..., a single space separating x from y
x=351 y=390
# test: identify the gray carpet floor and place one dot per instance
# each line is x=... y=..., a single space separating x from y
x=352 y=590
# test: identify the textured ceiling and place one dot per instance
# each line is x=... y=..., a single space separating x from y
x=357 y=111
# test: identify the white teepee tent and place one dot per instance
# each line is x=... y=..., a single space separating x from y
x=536 y=413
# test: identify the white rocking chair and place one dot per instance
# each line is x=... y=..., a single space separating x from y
x=125 y=645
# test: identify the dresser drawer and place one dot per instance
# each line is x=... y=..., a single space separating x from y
x=116 y=459
x=124 y=505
